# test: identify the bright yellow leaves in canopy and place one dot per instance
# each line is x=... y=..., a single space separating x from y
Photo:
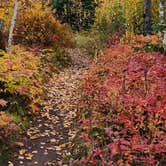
x=128 y=13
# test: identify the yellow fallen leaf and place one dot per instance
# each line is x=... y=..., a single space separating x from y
x=36 y=136
x=29 y=156
x=22 y=151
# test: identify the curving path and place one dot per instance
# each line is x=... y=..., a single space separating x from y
x=49 y=140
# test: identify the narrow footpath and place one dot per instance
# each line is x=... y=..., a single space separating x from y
x=49 y=140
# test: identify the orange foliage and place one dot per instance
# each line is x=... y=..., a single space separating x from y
x=40 y=27
x=7 y=127
x=140 y=40
x=20 y=74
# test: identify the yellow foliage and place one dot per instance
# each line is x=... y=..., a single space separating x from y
x=35 y=24
x=140 y=41
x=20 y=73
x=128 y=12
x=6 y=12
x=38 y=26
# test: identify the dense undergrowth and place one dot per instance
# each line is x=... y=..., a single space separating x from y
x=38 y=50
x=21 y=86
x=41 y=28
x=123 y=106
x=22 y=78
x=123 y=94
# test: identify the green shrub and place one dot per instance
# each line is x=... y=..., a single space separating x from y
x=60 y=58
x=91 y=41
x=78 y=14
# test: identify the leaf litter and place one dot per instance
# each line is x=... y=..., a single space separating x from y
x=50 y=139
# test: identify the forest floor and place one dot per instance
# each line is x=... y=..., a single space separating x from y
x=49 y=139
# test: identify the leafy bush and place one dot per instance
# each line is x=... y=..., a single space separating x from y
x=78 y=14
x=19 y=74
x=40 y=27
x=21 y=89
x=123 y=117
x=8 y=129
x=90 y=41
x=159 y=27
x=152 y=43
x=109 y=18
x=60 y=58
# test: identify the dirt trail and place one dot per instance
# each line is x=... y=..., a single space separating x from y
x=49 y=140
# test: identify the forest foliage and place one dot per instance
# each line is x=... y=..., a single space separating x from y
x=123 y=107
x=38 y=42
x=78 y=14
x=123 y=93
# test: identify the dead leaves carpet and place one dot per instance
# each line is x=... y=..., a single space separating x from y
x=49 y=140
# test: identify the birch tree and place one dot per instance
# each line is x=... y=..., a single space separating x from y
x=13 y=21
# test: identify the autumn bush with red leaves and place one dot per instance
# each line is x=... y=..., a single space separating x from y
x=123 y=109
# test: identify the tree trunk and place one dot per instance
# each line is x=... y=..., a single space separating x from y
x=162 y=19
x=147 y=17
x=13 y=21
x=165 y=11
x=161 y=11
x=2 y=40
x=164 y=42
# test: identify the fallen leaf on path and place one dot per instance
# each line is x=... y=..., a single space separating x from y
x=29 y=156
x=10 y=163
x=22 y=151
x=21 y=157
x=36 y=136
x=19 y=144
x=34 y=152
x=57 y=148
x=53 y=140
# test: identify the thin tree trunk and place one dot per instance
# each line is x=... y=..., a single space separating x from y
x=164 y=42
x=2 y=39
x=165 y=11
x=147 y=17
x=161 y=11
x=13 y=21
x=162 y=17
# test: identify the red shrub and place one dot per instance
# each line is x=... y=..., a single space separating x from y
x=124 y=108
x=114 y=39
